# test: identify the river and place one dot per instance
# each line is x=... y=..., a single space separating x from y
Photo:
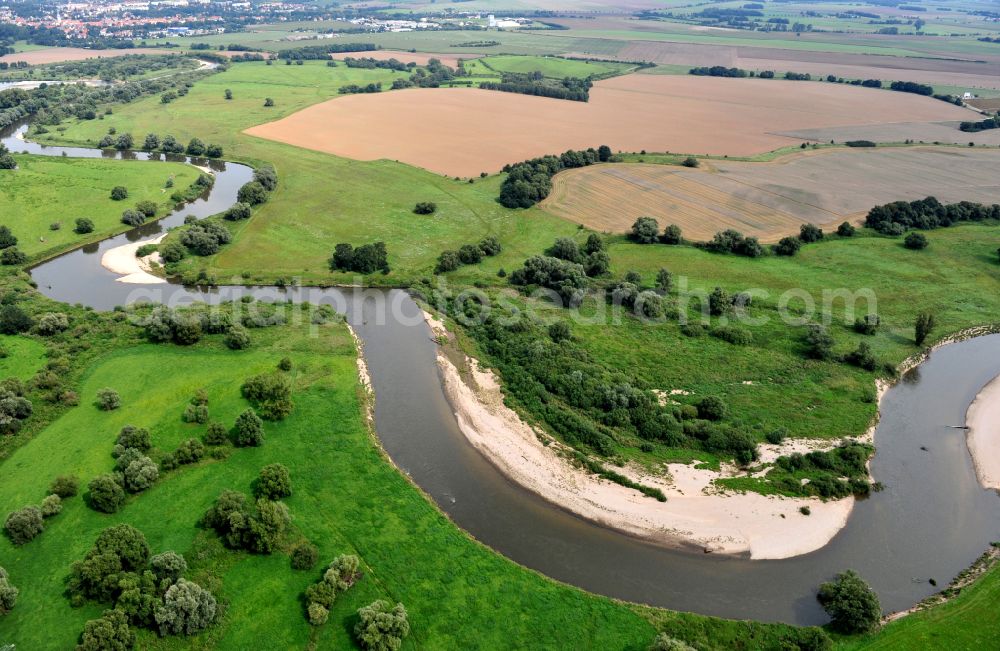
x=931 y=521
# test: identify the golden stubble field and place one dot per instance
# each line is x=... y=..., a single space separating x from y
x=465 y=131
x=60 y=54
x=771 y=200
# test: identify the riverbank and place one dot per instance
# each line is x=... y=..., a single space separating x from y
x=134 y=270
x=983 y=437
x=696 y=513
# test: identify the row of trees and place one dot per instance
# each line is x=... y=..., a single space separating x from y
x=186 y=327
x=971 y=127
x=530 y=181
x=570 y=88
x=900 y=216
x=364 y=259
x=322 y=52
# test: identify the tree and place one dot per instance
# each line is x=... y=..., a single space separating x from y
x=274 y=482
x=490 y=245
x=8 y=593
x=139 y=472
x=13 y=256
x=645 y=230
x=146 y=207
x=252 y=193
x=690 y=161
x=151 y=143
x=447 y=261
x=51 y=505
x=719 y=302
x=52 y=323
x=106 y=494
x=915 y=241
x=119 y=193
x=922 y=327
x=65 y=486
x=169 y=566
x=470 y=254
x=565 y=248
x=24 y=525
x=13 y=320
x=124 y=142
x=108 y=633
x=249 y=429
x=108 y=399
x=597 y=264
x=131 y=436
x=268 y=102
x=271 y=394
x=187 y=608
x=867 y=325
x=229 y=94
x=173 y=252
x=237 y=338
x=382 y=627
x=304 y=556
x=788 y=246
x=819 y=343
x=852 y=605
x=664 y=281
x=133 y=218
x=7 y=162
x=559 y=331
x=195 y=147
x=425 y=208
x=846 y=230
x=810 y=233
x=7 y=238
x=317 y=614
x=213 y=151
x=84 y=226
x=594 y=244
x=672 y=234
x=604 y=153
x=267 y=177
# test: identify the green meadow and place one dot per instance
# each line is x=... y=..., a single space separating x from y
x=44 y=191
x=20 y=357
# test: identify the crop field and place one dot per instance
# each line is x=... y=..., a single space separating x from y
x=419 y=58
x=553 y=66
x=919 y=132
x=57 y=54
x=46 y=191
x=770 y=200
x=736 y=117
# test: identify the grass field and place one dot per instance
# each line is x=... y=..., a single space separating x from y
x=23 y=357
x=553 y=67
x=46 y=190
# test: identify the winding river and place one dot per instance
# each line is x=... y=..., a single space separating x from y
x=931 y=521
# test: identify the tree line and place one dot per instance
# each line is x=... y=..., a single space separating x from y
x=925 y=214
x=982 y=125
x=530 y=181
x=569 y=88
x=319 y=52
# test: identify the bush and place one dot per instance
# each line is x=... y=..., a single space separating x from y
x=187 y=608
x=239 y=211
x=846 y=230
x=146 y=207
x=719 y=302
x=852 y=605
x=106 y=494
x=867 y=325
x=788 y=246
x=13 y=320
x=425 y=208
x=169 y=566
x=216 y=434
x=711 y=408
x=317 y=614
x=285 y=364
x=205 y=238
x=734 y=335
x=470 y=254
x=381 y=627
x=559 y=331
x=863 y=357
x=304 y=556
x=248 y=429
x=108 y=399
x=810 y=233
x=51 y=505
x=252 y=193
x=83 y=226
x=915 y=241
x=690 y=161
x=448 y=261
x=131 y=436
x=24 y=525
x=271 y=394
x=365 y=259
x=664 y=642
x=490 y=246
x=8 y=594
x=13 y=256
x=819 y=343
x=672 y=234
x=110 y=632
x=133 y=218
x=52 y=323
x=119 y=193
x=645 y=230
x=237 y=338
x=273 y=483
x=242 y=527
x=65 y=486
x=195 y=414
x=138 y=471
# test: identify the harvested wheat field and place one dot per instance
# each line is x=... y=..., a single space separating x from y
x=419 y=58
x=465 y=131
x=59 y=54
x=771 y=200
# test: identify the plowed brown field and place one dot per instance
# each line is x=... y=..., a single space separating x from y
x=771 y=200
x=464 y=131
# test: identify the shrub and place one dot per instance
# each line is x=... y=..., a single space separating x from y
x=65 y=486
x=172 y=252
x=146 y=207
x=52 y=323
x=252 y=193
x=852 y=605
x=470 y=254
x=8 y=594
x=131 y=436
x=365 y=259
x=273 y=483
x=863 y=357
x=108 y=399
x=339 y=576
x=13 y=320
x=690 y=161
x=83 y=226
x=138 y=471
x=664 y=642
x=119 y=193
x=195 y=414
x=271 y=394
x=810 y=233
x=915 y=241
x=425 y=208
x=381 y=627
x=819 y=343
x=846 y=230
x=248 y=429
x=559 y=331
x=285 y=364
x=711 y=408
x=205 y=238
x=923 y=326
x=216 y=434
x=867 y=325
x=168 y=566
x=187 y=608
x=109 y=632
x=719 y=302
x=672 y=234
x=106 y=494
x=448 y=261
x=788 y=246
x=734 y=335
x=51 y=505
x=133 y=218
x=24 y=525
x=645 y=230
x=237 y=338
x=317 y=614
x=242 y=527
x=13 y=256
x=239 y=211
x=304 y=556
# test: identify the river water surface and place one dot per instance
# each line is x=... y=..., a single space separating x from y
x=931 y=521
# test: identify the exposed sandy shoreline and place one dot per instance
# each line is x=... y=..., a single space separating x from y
x=122 y=260
x=983 y=421
x=695 y=513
